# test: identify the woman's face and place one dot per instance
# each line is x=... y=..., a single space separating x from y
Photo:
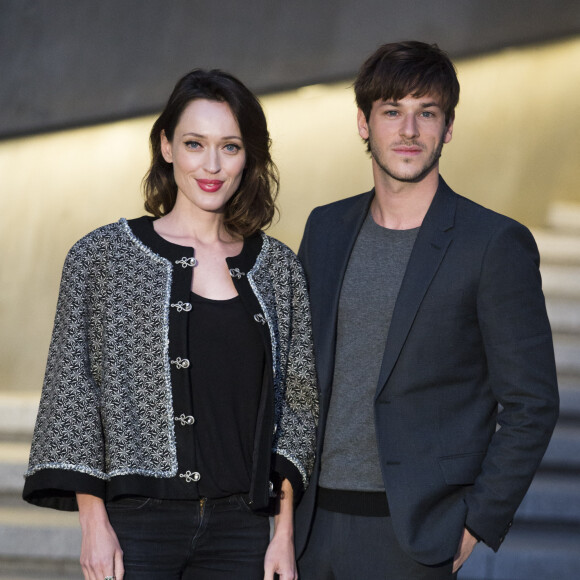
x=207 y=153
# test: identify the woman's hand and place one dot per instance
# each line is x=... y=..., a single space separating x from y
x=280 y=558
x=101 y=554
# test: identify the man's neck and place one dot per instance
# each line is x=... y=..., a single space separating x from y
x=401 y=205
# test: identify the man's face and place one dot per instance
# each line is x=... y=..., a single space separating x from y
x=406 y=136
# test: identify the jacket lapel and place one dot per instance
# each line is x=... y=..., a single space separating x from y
x=339 y=241
x=430 y=247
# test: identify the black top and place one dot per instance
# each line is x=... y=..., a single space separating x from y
x=227 y=365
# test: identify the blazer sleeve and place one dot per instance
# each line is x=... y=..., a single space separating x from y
x=521 y=374
x=67 y=453
x=295 y=438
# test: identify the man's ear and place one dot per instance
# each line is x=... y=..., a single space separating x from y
x=448 y=131
x=363 y=127
x=166 y=148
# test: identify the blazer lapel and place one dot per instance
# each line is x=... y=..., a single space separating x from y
x=339 y=239
x=430 y=247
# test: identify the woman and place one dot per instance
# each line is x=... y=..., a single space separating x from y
x=180 y=396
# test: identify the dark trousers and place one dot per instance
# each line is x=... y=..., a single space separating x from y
x=348 y=547
x=182 y=540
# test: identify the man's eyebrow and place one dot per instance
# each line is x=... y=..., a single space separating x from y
x=394 y=103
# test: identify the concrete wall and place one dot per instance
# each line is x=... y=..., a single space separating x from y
x=65 y=63
x=514 y=149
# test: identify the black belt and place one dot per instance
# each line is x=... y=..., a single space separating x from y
x=356 y=503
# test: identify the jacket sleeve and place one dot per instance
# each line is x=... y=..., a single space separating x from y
x=295 y=437
x=521 y=374
x=67 y=453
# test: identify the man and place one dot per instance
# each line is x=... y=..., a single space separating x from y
x=434 y=351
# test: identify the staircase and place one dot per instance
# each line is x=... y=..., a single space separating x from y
x=35 y=543
x=544 y=541
x=543 y=544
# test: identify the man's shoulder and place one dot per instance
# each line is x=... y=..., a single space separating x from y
x=470 y=214
x=343 y=206
x=476 y=215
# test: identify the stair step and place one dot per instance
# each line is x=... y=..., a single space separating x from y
x=567 y=351
x=18 y=569
x=528 y=553
x=563 y=452
x=558 y=247
x=564 y=314
x=569 y=400
x=18 y=415
x=38 y=570
x=13 y=464
x=34 y=534
x=564 y=216
x=561 y=280
x=552 y=497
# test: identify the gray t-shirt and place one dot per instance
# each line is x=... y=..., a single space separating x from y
x=371 y=284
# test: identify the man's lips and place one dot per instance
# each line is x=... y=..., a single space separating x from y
x=406 y=150
x=209 y=185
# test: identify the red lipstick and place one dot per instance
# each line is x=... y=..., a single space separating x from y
x=209 y=185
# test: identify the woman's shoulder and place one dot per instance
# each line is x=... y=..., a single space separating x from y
x=99 y=239
x=281 y=259
x=274 y=245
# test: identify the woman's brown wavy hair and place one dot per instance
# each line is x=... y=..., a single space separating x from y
x=252 y=207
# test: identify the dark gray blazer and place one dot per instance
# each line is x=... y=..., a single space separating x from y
x=469 y=332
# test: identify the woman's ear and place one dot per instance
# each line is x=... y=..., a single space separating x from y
x=166 y=148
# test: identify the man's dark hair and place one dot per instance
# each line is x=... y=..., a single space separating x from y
x=413 y=68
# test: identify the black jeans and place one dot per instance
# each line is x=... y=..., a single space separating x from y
x=345 y=547
x=181 y=540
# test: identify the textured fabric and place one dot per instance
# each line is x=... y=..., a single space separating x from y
x=367 y=298
x=106 y=409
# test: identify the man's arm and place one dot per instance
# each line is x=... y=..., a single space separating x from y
x=522 y=376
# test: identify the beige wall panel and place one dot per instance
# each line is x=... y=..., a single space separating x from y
x=516 y=142
x=515 y=149
x=56 y=188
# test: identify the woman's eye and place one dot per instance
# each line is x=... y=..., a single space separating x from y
x=192 y=144
x=232 y=148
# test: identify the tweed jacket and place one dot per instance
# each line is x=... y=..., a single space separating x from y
x=107 y=419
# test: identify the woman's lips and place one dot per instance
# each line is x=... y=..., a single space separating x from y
x=209 y=185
